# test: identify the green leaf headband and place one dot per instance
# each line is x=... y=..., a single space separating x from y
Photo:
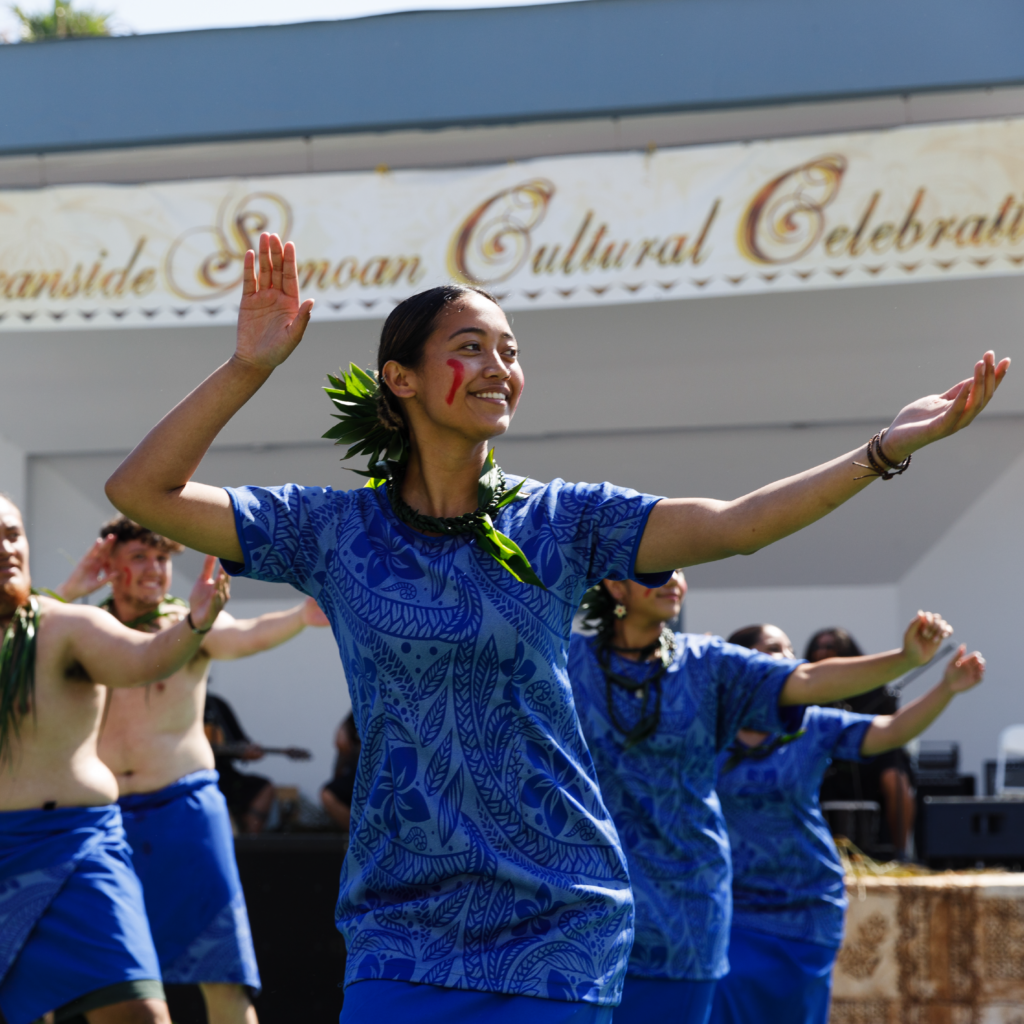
x=355 y=396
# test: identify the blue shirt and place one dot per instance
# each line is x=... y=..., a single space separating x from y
x=661 y=792
x=481 y=854
x=787 y=876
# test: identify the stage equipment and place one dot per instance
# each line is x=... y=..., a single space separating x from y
x=858 y=820
x=965 y=832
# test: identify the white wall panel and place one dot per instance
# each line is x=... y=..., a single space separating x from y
x=868 y=612
x=13 y=472
x=973 y=576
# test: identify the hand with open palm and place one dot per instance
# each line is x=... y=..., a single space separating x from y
x=936 y=416
x=271 y=318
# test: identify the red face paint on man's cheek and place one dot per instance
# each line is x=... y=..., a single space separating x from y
x=127 y=574
x=459 y=370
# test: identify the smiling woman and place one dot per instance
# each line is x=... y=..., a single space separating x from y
x=483 y=865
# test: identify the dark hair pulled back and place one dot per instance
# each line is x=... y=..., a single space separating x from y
x=845 y=645
x=598 y=608
x=748 y=636
x=404 y=335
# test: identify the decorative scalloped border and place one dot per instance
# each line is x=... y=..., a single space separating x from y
x=194 y=313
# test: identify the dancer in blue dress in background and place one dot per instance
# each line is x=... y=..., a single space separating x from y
x=788 y=893
x=484 y=876
x=657 y=708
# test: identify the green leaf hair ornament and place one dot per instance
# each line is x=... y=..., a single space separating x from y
x=355 y=395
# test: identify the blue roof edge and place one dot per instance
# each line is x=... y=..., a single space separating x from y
x=440 y=69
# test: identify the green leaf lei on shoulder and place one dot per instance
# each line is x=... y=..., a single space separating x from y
x=17 y=672
x=354 y=395
x=165 y=607
x=740 y=752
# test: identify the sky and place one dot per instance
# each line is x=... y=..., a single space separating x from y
x=177 y=15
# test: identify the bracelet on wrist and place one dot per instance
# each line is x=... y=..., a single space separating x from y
x=879 y=463
x=192 y=626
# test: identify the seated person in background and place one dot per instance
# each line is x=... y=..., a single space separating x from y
x=886 y=779
x=249 y=797
x=787 y=886
x=336 y=795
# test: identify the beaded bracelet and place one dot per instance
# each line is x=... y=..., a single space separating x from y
x=880 y=464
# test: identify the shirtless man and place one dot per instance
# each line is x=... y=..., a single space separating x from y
x=175 y=817
x=73 y=932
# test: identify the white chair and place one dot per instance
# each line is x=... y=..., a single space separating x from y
x=1011 y=745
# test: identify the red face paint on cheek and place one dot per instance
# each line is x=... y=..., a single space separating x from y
x=127 y=573
x=459 y=370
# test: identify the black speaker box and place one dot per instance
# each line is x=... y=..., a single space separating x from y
x=963 y=832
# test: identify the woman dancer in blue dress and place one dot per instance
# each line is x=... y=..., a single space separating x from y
x=657 y=708
x=788 y=892
x=484 y=875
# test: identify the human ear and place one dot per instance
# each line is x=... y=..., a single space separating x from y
x=399 y=379
x=618 y=589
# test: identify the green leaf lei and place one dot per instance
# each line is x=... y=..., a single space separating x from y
x=354 y=395
x=17 y=672
x=165 y=607
x=740 y=752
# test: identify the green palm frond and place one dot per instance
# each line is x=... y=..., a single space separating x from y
x=354 y=395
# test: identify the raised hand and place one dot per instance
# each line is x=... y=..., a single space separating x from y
x=92 y=571
x=209 y=595
x=312 y=614
x=924 y=636
x=271 y=319
x=936 y=416
x=963 y=671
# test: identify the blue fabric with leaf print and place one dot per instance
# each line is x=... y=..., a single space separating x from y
x=661 y=792
x=481 y=855
x=787 y=876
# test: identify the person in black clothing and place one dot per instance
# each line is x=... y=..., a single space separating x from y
x=886 y=778
x=336 y=795
x=249 y=797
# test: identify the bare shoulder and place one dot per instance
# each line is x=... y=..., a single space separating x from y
x=59 y=620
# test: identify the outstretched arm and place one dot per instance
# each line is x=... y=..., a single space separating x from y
x=834 y=679
x=116 y=656
x=887 y=732
x=238 y=638
x=688 y=531
x=154 y=484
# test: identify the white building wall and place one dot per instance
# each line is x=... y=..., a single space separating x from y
x=12 y=472
x=973 y=576
x=870 y=613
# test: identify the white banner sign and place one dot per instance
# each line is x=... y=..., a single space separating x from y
x=910 y=204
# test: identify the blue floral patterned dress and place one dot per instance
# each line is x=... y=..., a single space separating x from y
x=481 y=857
x=661 y=792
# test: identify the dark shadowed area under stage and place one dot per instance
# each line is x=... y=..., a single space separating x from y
x=291 y=886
